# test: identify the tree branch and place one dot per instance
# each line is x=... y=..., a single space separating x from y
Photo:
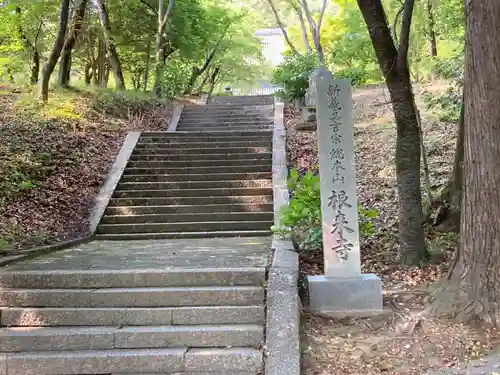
x=167 y=15
x=396 y=19
x=144 y=2
x=404 y=44
x=211 y=56
x=320 y=19
x=282 y=27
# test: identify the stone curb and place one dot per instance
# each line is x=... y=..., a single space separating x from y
x=100 y=203
x=175 y=117
x=283 y=303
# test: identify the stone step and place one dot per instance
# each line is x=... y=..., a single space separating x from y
x=255 y=199
x=212 y=192
x=194 y=226
x=237 y=107
x=236 y=125
x=141 y=361
x=180 y=235
x=227 y=116
x=135 y=316
x=184 y=209
x=212 y=145
x=133 y=278
x=216 y=127
x=198 y=170
x=133 y=297
x=202 y=373
x=159 y=148
x=206 y=137
x=233 y=117
x=191 y=157
x=183 y=217
x=208 y=162
x=28 y=339
x=228 y=184
x=179 y=134
x=197 y=177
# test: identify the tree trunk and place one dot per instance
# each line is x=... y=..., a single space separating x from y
x=160 y=64
x=196 y=72
x=303 y=28
x=475 y=277
x=161 y=56
x=394 y=66
x=114 y=60
x=213 y=78
x=431 y=32
x=56 y=50
x=35 y=67
x=282 y=27
x=315 y=28
x=69 y=43
x=88 y=73
x=146 y=70
x=448 y=216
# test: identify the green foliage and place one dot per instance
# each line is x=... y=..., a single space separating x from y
x=302 y=216
x=447 y=105
x=292 y=76
x=356 y=75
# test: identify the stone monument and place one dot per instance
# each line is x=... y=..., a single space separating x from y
x=343 y=290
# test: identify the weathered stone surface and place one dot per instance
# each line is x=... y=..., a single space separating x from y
x=198 y=373
x=114 y=175
x=3 y=364
x=45 y=297
x=283 y=317
x=49 y=339
x=190 y=336
x=197 y=315
x=86 y=317
x=220 y=360
x=161 y=255
x=189 y=296
x=96 y=362
x=136 y=278
x=337 y=297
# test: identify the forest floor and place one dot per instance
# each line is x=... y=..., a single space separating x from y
x=404 y=340
x=54 y=158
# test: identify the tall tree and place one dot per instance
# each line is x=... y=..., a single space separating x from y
x=280 y=24
x=56 y=50
x=315 y=27
x=114 y=59
x=475 y=277
x=31 y=47
x=431 y=29
x=393 y=62
x=69 y=43
x=163 y=18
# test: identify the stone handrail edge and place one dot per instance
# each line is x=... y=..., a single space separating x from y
x=283 y=303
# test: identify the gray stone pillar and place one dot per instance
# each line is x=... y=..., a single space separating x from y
x=343 y=290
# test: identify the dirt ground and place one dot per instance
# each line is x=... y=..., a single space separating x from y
x=405 y=340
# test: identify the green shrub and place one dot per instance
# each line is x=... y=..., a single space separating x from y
x=292 y=76
x=301 y=218
x=357 y=76
x=447 y=105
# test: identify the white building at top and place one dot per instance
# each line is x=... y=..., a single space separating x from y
x=273 y=45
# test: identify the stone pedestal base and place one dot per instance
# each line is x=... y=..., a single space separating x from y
x=344 y=297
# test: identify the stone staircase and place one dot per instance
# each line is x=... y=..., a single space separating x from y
x=142 y=321
x=211 y=178
x=175 y=302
